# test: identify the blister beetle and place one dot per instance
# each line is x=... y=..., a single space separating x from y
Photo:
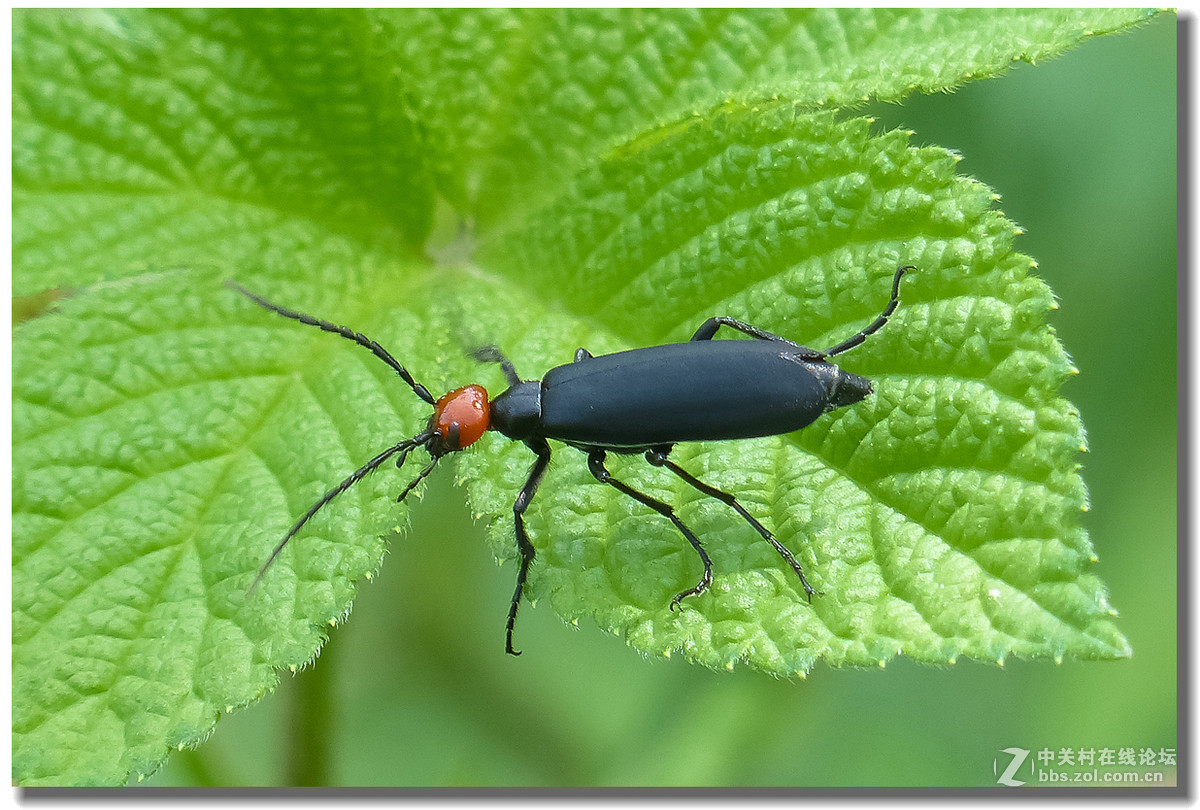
x=638 y=401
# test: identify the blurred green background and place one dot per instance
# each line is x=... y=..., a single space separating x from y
x=416 y=689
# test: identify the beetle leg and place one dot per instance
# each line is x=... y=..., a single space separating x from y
x=491 y=354
x=601 y=473
x=658 y=458
x=582 y=354
x=710 y=327
x=879 y=322
x=542 y=449
x=421 y=476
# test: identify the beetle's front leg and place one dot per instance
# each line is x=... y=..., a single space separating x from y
x=542 y=449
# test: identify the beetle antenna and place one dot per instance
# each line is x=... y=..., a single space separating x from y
x=344 y=331
x=403 y=448
x=491 y=354
x=846 y=345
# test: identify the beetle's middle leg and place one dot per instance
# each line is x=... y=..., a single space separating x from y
x=601 y=473
x=658 y=457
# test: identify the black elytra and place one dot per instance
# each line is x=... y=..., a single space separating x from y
x=638 y=401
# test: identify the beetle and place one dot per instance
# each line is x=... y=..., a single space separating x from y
x=638 y=401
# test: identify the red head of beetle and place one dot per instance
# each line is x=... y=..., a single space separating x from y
x=466 y=408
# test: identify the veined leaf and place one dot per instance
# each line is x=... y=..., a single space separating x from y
x=523 y=97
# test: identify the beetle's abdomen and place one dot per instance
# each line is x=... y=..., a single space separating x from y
x=697 y=391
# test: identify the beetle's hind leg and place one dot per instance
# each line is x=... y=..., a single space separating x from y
x=879 y=322
x=601 y=473
x=658 y=458
x=709 y=328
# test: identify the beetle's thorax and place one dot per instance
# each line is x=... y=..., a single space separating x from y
x=517 y=413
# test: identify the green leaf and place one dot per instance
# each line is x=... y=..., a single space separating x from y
x=148 y=139
x=527 y=96
x=166 y=432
